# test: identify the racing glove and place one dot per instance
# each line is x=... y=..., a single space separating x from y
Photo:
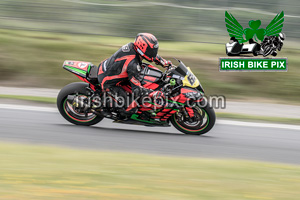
x=160 y=61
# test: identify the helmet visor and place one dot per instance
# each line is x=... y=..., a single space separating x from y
x=151 y=53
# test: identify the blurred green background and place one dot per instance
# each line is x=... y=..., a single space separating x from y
x=37 y=36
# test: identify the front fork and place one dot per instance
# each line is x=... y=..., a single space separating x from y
x=188 y=114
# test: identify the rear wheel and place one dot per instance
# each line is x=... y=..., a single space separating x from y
x=203 y=121
x=71 y=113
x=256 y=50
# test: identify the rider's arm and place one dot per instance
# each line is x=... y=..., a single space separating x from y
x=162 y=62
x=137 y=88
x=133 y=71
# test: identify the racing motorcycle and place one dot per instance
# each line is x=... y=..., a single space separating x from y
x=271 y=44
x=184 y=105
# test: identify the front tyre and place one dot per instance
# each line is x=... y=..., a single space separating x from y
x=267 y=51
x=67 y=110
x=204 y=121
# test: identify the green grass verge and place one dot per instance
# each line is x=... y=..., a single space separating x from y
x=30 y=98
x=244 y=117
x=40 y=172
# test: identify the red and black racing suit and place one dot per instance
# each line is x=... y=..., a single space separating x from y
x=123 y=65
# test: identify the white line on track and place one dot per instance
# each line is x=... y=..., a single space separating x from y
x=27 y=108
x=221 y=121
x=258 y=124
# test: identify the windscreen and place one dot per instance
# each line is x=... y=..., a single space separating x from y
x=180 y=70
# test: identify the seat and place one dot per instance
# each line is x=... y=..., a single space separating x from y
x=92 y=75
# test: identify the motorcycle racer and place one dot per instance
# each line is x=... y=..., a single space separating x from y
x=125 y=65
x=271 y=44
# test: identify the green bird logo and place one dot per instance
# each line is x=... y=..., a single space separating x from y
x=243 y=35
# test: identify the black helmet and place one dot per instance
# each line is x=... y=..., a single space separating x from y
x=146 y=45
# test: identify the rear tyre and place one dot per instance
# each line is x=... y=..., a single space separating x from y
x=205 y=121
x=256 y=50
x=68 y=112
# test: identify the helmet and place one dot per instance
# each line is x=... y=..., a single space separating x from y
x=146 y=45
x=281 y=36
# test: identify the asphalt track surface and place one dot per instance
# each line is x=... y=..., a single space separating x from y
x=223 y=141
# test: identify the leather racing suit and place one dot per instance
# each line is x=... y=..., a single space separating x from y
x=124 y=65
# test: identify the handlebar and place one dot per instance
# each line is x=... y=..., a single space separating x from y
x=165 y=73
x=169 y=67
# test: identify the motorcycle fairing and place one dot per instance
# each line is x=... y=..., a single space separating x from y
x=153 y=67
x=149 y=82
x=149 y=76
x=186 y=94
x=171 y=106
x=79 y=68
x=186 y=75
x=150 y=121
x=190 y=80
x=150 y=85
x=191 y=93
x=177 y=102
x=151 y=71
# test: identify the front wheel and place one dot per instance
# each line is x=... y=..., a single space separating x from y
x=203 y=121
x=267 y=51
x=67 y=110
